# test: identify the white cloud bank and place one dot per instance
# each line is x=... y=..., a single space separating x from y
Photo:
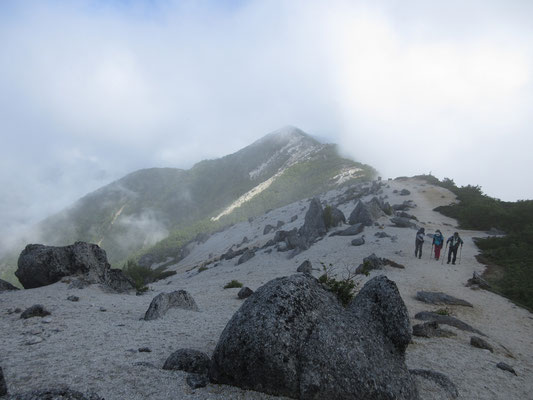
x=91 y=90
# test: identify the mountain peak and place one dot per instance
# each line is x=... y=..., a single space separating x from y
x=287 y=134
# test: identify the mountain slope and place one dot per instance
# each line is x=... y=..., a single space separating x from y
x=150 y=205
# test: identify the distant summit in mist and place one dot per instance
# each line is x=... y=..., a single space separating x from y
x=164 y=205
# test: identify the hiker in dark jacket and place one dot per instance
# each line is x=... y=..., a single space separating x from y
x=438 y=242
x=419 y=241
x=454 y=242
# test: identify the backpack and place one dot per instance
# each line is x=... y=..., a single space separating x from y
x=438 y=239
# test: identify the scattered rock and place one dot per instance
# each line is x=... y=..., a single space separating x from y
x=391 y=263
x=358 y=241
x=405 y=192
x=351 y=231
x=402 y=222
x=440 y=298
x=403 y=214
x=294 y=218
x=196 y=381
x=381 y=235
x=481 y=344
x=164 y=301
x=78 y=284
x=6 y=286
x=268 y=228
x=337 y=217
x=188 y=360
x=280 y=224
x=506 y=367
x=145 y=350
x=144 y=364
x=40 y=265
x=3 y=386
x=102 y=309
x=46 y=320
x=37 y=310
x=440 y=379
x=245 y=292
x=447 y=320
x=314 y=225
x=369 y=263
x=291 y=339
x=34 y=340
x=430 y=329
x=305 y=267
x=73 y=298
x=361 y=215
x=248 y=254
x=404 y=206
x=478 y=281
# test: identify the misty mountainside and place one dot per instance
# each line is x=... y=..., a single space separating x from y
x=167 y=206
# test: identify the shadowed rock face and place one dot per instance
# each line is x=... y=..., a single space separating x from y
x=164 y=301
x=40 y=265
x=6 y=286
x=293 y=338
x=314 y=225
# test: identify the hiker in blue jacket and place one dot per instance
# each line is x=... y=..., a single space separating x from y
x=438 y=242
x=454 y=242
x=419 y=241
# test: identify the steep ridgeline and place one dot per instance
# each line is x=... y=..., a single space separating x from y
x=150 y=205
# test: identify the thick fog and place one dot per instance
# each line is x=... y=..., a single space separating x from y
x=92 y=90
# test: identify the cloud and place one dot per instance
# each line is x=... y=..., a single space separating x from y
x=92 y=90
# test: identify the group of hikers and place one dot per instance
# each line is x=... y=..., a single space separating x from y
x=453 y=241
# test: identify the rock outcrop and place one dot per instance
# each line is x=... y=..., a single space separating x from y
x=402 y=222
x=40 y=265
x=245 y=292
x=361 y=215
x=293 y=338
x=306 y=267
x=314 y=225
x=350 y=231
x=447 y=320
x=188 y=360
x=440 y=298
x=37 y=310
x=164 y=301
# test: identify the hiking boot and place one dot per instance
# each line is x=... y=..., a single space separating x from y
x=453 y=263
x=448 y=262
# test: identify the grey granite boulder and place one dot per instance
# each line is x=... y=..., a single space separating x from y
x=164 y=301
x=196 y=381
x=402 y=222
x=268 y=228
x=350 y=231
x=337 y=217
x=506 y=367
x=439 y=378
x=40 y=265
x=478 y=281
x=6 y=286
x=440 y=298
x=447 y=320
x=481 y=344
x=3 y=386
x=37 y=310
x=314 y=225
x=188 y=360
x=293 y=338
x=248 y=255
x=430 y=329
x=361 y=215
x=305 y=267
x=370 y=263
x=358 y=241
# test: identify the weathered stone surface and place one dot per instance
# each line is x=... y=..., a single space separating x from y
x=403 y=214
x=506 y=367
x=447 y=320
x=245 y=292
x=430 y=329
x=294 y=218
x=188 y=360
x=248 y=255
x=404 y=206
x=405 y=192
x=361 y=215
x=440 y=298
x=6 y=286
x=481 y=344
x=196 y=381
x=306 y=267
x=477 y=280
x=73 y=298
x=40 y=265
x=3 y=386
x=164 y=301
x=268 y=228
x=358 y=241
x=381 y=235
x=350 y=231
x=37 y=310
x=293 y=338
x=337 y=217
x=62 y=393
x=442 y=380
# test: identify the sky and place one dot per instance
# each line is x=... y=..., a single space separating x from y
x=91 y=90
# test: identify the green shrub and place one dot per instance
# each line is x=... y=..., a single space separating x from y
x=342 y=288
x=202 y=269
x=328 y=217
x=443 y=311
x=233 y=284
x=142 y=276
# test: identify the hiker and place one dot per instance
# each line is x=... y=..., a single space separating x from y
x=419 y=242
x=454 y=242
x=438 y=242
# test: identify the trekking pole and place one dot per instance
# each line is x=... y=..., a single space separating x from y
x=444 y=255
x=460 y=253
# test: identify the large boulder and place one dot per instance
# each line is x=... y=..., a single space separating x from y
x=402 y=222
x=361 y=215
x=188 y=360
x=314 y=225
x=40 y=265
x=6 y=286
x=337 y=217
x=164 y=301
x=293 y=338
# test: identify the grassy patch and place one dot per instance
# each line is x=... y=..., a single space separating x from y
x=233 y=284
x=343 y=288
x=142 y=276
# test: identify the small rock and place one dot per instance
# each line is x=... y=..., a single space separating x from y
x=447 y=320
x=440 y=298
x=164 y=301
x=245 y=292
x=144 y=364
x=33 y=340
x=506 y=367
x=3 y=386
x=359 y=241
x=268 y=228
x=381 y=235
x=294 y=218
x=73 y=298
x=103 y=309
x=6 y=286
x=481 y=344
x=36 y=310
x=430 y=329
x=46 y=320
x=145 y=350
x=440 y=379
x=405 y=192
x=249 y=254
x=188 y=360
x=305 y=267
x=196 y=381
x=477 y=280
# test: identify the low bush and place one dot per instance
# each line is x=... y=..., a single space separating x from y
x=343 y=288
x=142 y=276
x=233 y=284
